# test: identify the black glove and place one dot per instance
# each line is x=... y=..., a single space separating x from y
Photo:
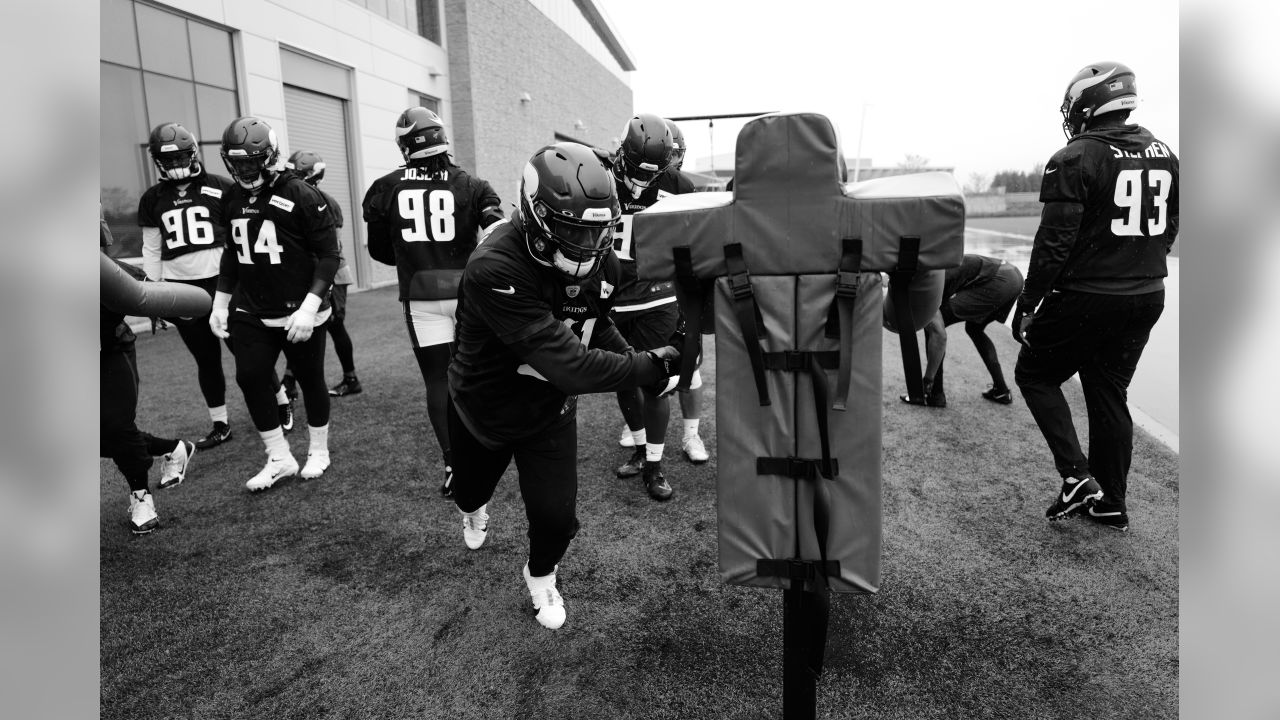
x=1021 y=324
x=668 y=361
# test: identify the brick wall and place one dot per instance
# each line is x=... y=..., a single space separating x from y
x=498 y=51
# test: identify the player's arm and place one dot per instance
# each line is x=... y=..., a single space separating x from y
x=489 y=205
x=321 y=235
x=1171 y=203
x=1062 y=192
x=150 y=238
x=377 y=229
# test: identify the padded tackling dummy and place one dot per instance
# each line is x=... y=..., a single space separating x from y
x=796 y=248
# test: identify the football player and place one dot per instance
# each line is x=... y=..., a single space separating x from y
x=978 y=292
x=130 y=448
x=425 y=218
x=644 y=311
x=183 y=233
x=281 y=256
x=1095 y=285
x=310 y=167
x=534 y=332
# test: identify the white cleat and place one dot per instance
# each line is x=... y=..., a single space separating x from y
x=694 y=450
x=275 y=469
x=626 y=439
x=546 y=599
x=174 y=468
x=317 y=463
x=475 y=527
x=142 y=512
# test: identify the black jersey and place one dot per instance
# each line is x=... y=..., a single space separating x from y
x=529 y=339
x=333 y=208
x=972 y=269
x=427 y=224
x=1126 y=182
x=190 y=214
x=635 y=294
x=281 y=245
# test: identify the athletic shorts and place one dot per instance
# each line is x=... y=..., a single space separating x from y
x=430 y=322
x=986 y=302
x=338 y=301
x=648 y=329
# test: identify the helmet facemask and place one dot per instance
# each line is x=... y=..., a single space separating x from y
x=177 y=165
x=250 y=152
x=637 y=176
x=555 y=235
x=251 y=171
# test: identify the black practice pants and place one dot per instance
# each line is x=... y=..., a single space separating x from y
x=256 y=348
x=119 y=437
x=1101 y=337
x=547 y=465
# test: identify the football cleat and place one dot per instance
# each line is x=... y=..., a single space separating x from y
x=546 y=599
x=286 y=416
x=142 y=512
x=626 y=439
x=694 y=451
x=277 y=468
x=174 y=468
x=220 y=433
x=1108 y=516
x=348 y=386
x=1004 y=397
x=446 y=488
x=317 y=463
x=633 y=466
x=1076 y=495
x=475 y=527
x=655 y=483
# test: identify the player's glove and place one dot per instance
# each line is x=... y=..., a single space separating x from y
x=303 y=320
x=218 y=315
x=668 y=361
x=1021 y=324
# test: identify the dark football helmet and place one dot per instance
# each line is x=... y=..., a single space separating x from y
x=250 y=151
x=645 y=152
x=568 y=209
x=677 y=144
x=173 y=150
x=420 y=134
x=308 y=165
x=1097 y=89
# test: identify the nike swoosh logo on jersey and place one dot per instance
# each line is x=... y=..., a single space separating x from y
x=1051 y=170
x=322 y=207
x=510 y=290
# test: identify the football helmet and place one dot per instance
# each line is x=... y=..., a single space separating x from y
x=1097 y=89
x=420 y=134
x=568 y=209
x=677 y=144
x=645 y=152
x=173 y=150
x=250 y=151
x=308 y=165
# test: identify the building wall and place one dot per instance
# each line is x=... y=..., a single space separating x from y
x=499 y=51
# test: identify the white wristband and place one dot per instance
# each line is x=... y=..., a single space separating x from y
x=221 y=300
x=311 y=303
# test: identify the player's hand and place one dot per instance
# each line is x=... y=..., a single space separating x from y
x=1021 y=324
x=299 y=326
x=668 y=361
x=218 y=323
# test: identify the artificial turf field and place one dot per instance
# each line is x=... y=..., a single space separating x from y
x=352 y=595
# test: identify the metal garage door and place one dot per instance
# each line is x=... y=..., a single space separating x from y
x=318 y=123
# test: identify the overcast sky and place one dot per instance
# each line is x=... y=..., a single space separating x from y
x=973 y=85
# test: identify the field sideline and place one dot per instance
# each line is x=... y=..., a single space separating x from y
x=352 y=596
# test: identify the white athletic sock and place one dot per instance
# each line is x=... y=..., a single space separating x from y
x=638 y=437
x=218 y=414
x=277 y=445
x=690 y=427
x=282 y=397
x=653 y=452
x=319 y=438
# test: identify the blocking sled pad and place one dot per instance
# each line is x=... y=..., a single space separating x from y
x=786 y=270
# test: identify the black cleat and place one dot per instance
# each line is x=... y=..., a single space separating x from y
x=1004 y=397
x=1076 y=495
x=632 y=467
x=655 y=483
x=1108 y=515
x=348 y=386
x=220 y=433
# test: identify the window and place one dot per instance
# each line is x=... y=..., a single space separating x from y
x=426 y=101
x=156 y=67
x=429 y=20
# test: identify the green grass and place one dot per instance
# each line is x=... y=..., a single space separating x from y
x=352 y=596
